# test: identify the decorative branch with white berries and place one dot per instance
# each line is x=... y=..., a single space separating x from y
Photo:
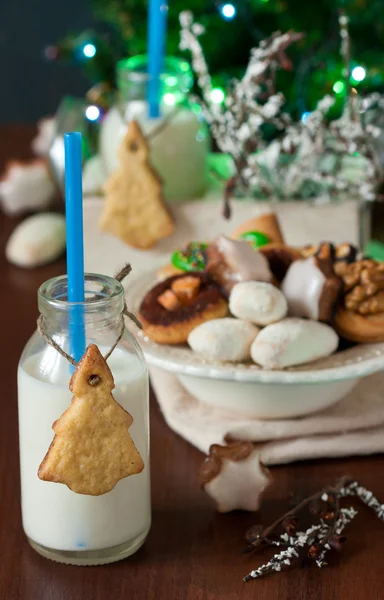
x=314 y=543
x=309 y=158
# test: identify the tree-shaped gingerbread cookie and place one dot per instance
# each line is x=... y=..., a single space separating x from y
x=134 y=209
x=92 y=449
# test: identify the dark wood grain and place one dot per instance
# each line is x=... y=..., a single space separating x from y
x=192 y=553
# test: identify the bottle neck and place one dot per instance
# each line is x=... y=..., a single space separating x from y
x=133 y=77
x=100 y=312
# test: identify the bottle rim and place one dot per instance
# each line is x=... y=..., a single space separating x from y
x=100 y=291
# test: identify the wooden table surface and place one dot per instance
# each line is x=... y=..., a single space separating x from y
x=191 y=553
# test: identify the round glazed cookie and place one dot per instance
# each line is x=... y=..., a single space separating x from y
x=258 y=302
x=175 y=306
x=223 y=339
x=167 y=271
x=358 y=328
x=293 y=342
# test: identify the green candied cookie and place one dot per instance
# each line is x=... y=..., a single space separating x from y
x=256 y=238
x=190 y=258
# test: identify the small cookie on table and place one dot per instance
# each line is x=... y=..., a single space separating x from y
x=234 y=477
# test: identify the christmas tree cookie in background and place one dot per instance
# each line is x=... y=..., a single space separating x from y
x=134 y=209
x=177 y=138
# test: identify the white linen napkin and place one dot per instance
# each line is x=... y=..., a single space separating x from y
x=353 y=426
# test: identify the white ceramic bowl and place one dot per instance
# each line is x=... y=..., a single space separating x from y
x=251 y=390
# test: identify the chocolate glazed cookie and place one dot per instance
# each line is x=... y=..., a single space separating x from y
x=174 y=307
x=280 y=257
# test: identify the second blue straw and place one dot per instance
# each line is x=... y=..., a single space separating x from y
x=75 y=246
x=157 y=30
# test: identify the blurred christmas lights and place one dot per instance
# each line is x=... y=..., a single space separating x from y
x=171 y=81
x=339 y=87
x=92 y=113
x=169 y=99
x=305 y=116
x=358 y=74
x=217 y=95
x=51 y=52
x=228 y=11
x=89 y=50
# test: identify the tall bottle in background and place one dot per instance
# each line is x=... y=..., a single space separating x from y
x=179 y=140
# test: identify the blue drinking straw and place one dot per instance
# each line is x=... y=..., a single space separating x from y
x=75 y=250
x=157 y=29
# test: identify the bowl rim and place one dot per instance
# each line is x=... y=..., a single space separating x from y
x=181 y=361
x=230 y=372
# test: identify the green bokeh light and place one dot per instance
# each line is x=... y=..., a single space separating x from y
x=171 y=80
x=339 y=87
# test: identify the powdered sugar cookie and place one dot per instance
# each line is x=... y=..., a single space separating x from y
x=293 y=342
x=258 y=302
x=223 y=339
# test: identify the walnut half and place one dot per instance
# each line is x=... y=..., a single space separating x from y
x=364 y=287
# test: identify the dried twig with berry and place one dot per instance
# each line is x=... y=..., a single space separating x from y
x=316 y=541
x=251 y=102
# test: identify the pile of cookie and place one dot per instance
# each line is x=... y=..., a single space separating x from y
x=251 y=296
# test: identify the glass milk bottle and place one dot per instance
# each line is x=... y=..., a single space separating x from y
x=178 y=140
x=60 y=524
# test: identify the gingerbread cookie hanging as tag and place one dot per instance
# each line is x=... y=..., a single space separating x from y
x=92 y=448
x=134 y=209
